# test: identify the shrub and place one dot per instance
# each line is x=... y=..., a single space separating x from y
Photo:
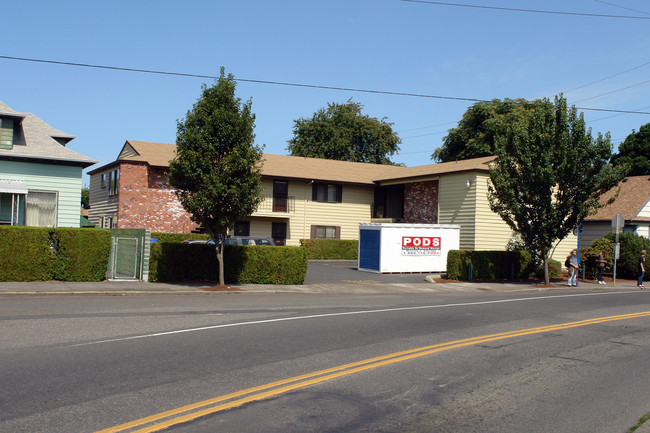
x=554 y=269
x=589 y=256
x=331 y=249
x=173 y=261
x=80 y=254
x=489 y=265
x=631 y=246
x=25 y=254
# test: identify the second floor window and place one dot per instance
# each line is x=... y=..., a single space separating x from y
x=327 y=192
x=113 y=182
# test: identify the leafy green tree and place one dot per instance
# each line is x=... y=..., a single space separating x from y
x=217 y=169
x=475 y=135
x=85 y=196
x=342 y=132
x=549 y=173
x=635 y=152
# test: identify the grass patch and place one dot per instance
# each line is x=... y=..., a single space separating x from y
x=643 y=419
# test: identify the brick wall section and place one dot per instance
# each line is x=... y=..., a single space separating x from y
x=421 y=202
x=145 y=200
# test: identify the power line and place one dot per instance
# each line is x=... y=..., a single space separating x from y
x=613 y=91
x=280 y=83
x=607 y=78
x=622 y=7
x=527 y=10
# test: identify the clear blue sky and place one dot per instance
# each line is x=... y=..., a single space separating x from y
x=385 y=45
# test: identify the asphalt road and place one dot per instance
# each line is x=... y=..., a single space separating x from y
x=87 y=363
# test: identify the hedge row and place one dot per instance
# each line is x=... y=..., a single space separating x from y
x=243 y=264
x=489 y=265
x=43 y=254
x=331 y=249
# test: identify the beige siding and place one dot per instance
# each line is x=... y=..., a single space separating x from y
x=563 y=249
x=101 y=205
x=457 y=205
x=492 y=233
x=127 y=151
x=354 y=208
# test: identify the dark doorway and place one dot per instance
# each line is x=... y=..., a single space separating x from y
x=279 y=233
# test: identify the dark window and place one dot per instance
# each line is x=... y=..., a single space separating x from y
x=327 y=192
x=389 y=202
x=243 y=228
x=325 y=232
x=280 y=195
x=279 y=233
x=113 y=182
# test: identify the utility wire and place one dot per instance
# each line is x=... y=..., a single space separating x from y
x=279 y=83
x=526 y=10
x=622 y=7
x=607 y=78
x=613 y=91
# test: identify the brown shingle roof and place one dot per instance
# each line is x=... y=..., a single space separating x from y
x=298 y=167
x=635 y=192
x=475 y=164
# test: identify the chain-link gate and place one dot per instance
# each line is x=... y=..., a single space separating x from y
x=125 y=259
x=129 y=254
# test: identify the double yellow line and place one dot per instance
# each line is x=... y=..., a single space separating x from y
x=190 y=412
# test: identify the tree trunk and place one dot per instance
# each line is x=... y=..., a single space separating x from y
x=219 y=246
x=547 y=279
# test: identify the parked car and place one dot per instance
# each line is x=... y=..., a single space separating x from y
x=195 y=241
x=246 y=240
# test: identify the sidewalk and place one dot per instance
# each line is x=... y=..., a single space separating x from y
x=358 y=287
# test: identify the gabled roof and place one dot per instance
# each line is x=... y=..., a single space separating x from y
x=35 y=139
x=634 y=196
x=412 y=173
x=315 y=169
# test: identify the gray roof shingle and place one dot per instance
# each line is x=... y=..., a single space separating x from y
x=35 y=139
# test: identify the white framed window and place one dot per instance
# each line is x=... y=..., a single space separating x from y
x=103 y=180
x=41 y=208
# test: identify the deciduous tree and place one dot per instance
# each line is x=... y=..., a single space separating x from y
x=476 y=132
x=342 y=132
x=217 y=169
x=549 y=173
x=634 y=152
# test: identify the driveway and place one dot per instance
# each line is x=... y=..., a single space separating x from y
x=346 y=272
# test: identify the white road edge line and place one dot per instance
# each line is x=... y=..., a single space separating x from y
x=347 y=313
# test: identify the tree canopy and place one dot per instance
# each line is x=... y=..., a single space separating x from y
x=342 y=132
x=476 y=132
x=634 y=152
x=217 y=169
x=549 y=173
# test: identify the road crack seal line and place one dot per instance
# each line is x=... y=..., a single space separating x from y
x=191 y=412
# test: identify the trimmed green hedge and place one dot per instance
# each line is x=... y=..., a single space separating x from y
x=489 y=265
x=43 y=254
x=243 y=264
x=331 y=249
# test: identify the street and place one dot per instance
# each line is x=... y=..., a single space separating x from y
x=556 y=361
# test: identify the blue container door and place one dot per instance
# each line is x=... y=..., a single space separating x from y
x=369 y=247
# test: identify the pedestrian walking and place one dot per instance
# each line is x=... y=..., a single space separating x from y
x=641 y=270
x=572 y=264
x=601 y=266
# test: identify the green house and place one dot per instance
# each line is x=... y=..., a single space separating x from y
x=40 y=178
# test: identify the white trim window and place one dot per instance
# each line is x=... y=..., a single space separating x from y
x=41 y=208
